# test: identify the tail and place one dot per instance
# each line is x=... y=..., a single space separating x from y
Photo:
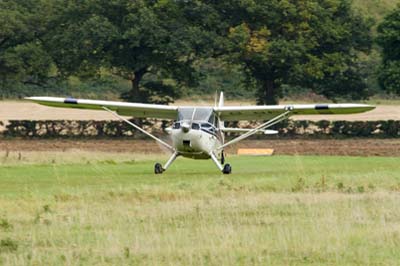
x=221 y=99
x=221 y=104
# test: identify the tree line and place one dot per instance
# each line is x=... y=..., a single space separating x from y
x=165 y=47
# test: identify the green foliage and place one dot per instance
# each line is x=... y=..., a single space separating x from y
x=312 y=44
x=104 y=87
x=165 y=49
x=389 y=76
x=388 y=32
x=217 y=75
x=375 y=9
x=132 y=40
x=23 y=59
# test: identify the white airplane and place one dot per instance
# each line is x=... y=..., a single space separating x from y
x=198 y=132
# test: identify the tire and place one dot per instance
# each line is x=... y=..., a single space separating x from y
x=158 y=169
x=227 y=169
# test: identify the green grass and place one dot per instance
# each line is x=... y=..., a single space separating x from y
x=283 y=210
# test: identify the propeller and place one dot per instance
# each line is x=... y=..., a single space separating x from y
x=187 y=126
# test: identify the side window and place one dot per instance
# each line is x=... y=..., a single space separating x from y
x=195 y=126
x=211 y=119
x=208 y=127
x=176 y=125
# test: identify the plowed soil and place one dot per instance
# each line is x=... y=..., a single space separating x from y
x=350 y=147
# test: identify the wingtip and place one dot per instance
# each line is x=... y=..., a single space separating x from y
x=29 y=98
x=370 y=107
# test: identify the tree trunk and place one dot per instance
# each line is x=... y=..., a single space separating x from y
x=270 y=97
x=135 y=95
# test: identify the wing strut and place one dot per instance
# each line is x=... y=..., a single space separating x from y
x=140 y=129
x=264 y=126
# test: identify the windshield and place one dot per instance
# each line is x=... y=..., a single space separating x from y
x=195 y=114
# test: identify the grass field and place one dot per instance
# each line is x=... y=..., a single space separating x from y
x=77 y=208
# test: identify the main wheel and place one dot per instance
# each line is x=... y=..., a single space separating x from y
x=227 y=169
x=158 y=169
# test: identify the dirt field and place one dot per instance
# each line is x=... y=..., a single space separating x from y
x=32 y=111
x=350 y=147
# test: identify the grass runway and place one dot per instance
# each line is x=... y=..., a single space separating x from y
x=75 y=208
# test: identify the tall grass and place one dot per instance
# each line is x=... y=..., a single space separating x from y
x=285 y=210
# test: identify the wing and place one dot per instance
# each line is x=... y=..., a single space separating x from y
x=236 y=113
x=122 y=108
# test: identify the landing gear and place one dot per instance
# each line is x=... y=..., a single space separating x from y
x=222 y=157
x=158 y=169
x=227 y=169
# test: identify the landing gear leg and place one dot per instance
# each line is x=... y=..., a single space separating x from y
x=158 y=169
x=222 y=157
x=227 y=169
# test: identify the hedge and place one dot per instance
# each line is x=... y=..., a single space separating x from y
x=48 y=129
x=119 y=129
x=337 y=129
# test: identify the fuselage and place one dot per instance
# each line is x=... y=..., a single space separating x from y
x=196 y=139
x=196 y=132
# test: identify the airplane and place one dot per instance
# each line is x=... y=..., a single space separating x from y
x=197 y=132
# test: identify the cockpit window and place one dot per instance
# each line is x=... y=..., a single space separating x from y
x=176 y=125
x=195 y=126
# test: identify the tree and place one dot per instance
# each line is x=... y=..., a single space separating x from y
x=388 y=39
x=307 y=43
x=156 y=40
x=22 y=57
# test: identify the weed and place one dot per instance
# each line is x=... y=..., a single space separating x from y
x=299 y=186
x=46 y=208
x=5 y=224
x=109 y=162
x=8 y=245
x=127 y=252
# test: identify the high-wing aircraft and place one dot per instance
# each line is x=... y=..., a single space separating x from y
x=198 y=132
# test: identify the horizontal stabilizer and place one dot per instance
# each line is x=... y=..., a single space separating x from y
x=244 y=130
